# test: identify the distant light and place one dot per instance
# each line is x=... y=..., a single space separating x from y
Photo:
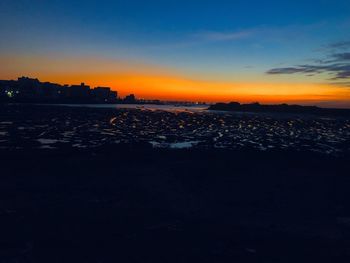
x=9 y=94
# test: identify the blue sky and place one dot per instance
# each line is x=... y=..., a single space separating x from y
x=216 y=40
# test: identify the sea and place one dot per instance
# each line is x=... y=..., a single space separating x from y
x=151 y=107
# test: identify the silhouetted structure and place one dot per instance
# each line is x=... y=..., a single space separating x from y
x=79 y=91
x=130 y=99
x=104 y=94
x=32 y=90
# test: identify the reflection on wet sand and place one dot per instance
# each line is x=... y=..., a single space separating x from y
x=52 y=127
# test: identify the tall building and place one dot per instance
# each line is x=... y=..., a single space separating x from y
x=104 y=94
x=101 y=93
x=32 y=90
x=130 y=99
x=78 y=91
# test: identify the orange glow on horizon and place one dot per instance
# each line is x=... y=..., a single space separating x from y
x=152 y=82
x=177 y=88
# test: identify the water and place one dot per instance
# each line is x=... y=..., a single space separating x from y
x=151 y=107
x=191 y=109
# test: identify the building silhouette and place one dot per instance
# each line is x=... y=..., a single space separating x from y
x=103 y=94
x=130 y=99
x=26 y=89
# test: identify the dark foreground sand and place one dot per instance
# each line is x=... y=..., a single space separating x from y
x=146 y=205
x=129 y=202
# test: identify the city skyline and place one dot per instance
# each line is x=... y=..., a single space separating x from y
x=278 y=52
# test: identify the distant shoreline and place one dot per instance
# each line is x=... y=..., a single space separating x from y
x=279 y=108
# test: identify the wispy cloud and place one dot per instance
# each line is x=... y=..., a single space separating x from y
x=283 y=35
x=337 y=65
x=291 y=70
x=342 y=56
x=342 y=83
x=339 y=45
x=223 y=36
x=205 y=37
x=339 y=70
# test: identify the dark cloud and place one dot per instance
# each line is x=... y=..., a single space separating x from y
x=342 y=56
x=338 y=71
x=342 y=73
x=337 y=65
x=290 y=70
x=340 y=45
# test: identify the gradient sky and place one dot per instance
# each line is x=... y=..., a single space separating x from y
x=268 y=51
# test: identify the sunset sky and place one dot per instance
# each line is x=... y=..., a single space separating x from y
x=201 y=50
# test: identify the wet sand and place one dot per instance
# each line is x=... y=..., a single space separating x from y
x=55 y=127
x=131 y=202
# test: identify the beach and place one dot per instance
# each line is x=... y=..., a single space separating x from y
x=84 y=185
x=80 y=126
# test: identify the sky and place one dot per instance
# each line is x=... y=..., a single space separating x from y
x=267 y=51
